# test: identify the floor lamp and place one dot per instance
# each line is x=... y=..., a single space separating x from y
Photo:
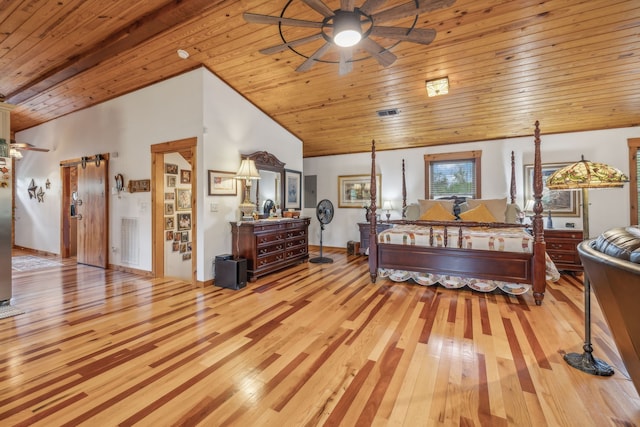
x=585 y=175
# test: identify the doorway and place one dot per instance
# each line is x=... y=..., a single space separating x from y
x=187 y=149
x=85 y=210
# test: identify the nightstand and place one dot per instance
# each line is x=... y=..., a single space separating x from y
x=562 y=247
x=364 y=234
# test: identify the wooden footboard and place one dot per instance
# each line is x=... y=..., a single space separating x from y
x=488 y=265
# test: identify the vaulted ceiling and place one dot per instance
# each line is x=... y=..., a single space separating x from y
x=572 y=64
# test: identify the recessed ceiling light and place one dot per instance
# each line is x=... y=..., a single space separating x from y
x=183 y=53
x=438 y=87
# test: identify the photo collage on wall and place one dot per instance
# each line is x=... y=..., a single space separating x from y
x=177 y=210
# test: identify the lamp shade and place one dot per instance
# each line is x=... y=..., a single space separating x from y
x=529 y=206
x=387 y=205
x=586 y=174
x=247 y=170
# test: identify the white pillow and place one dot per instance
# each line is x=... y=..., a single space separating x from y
x=412 y=213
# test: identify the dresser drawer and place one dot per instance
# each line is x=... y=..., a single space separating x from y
x=564 y=257
x=265 y=250
x=263 y=239
x=297 y=240
x=269 y=260
x=296 y=252
x=561 y=245
x=296 y=233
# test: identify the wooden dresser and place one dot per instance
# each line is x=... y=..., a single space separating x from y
x=562 y=248
x=270 y=245
x=364 y=234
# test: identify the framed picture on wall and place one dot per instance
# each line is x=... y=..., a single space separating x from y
x=171 y=181
x=354 y=191
x=292 y=188
x=171 y=168
x=184 y=221
x=559 y=202
x=168 y=209
x=169 y=222
x=183 y=199
x=185 y=176
x=222 y=183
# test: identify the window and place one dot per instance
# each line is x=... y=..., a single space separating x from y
x=452 y=174
x=634 y=185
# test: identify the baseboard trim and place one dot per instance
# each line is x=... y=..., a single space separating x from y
x=137 y=271
x=35 y=251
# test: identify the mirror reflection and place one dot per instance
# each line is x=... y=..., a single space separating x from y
x=267 y=188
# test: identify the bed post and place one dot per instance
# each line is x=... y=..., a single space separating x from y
x=373 y=237
x=539 y=246
x=404 y=193
x=513 y=178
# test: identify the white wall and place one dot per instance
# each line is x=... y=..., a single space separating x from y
x=608 y=208
x=195 y=104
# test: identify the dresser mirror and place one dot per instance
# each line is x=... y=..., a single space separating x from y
x=269 y=188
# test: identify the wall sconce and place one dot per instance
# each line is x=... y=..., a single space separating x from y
x=247 y=172
x=387 y=206
x=438 y=87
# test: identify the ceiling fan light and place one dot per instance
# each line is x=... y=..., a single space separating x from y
x=347 y=38
x=346 y=29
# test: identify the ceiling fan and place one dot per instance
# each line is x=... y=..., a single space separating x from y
x=350 y=28
x=17 y=148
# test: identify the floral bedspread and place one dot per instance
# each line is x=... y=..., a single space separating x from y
x=495 y=239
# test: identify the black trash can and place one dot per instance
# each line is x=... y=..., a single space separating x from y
x=230 y=273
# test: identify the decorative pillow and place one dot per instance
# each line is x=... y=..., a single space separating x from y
x=425 y=205
x=512 y=214
x=413 y=212
x=437 y=213
x=497 y=207
x=478 y=214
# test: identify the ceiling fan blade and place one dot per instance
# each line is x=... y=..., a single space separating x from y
x=384 y=57
x=25 y=146
x=371 y=5
x=346 y=65
x=255 y=18
x=292 y=43
x=347 y=5
x=416 y=35
x=306 y=65
x=409 y=8
x=320 y=7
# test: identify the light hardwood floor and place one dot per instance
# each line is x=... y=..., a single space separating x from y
x=316 y=344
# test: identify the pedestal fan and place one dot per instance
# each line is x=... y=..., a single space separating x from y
x=324 y=212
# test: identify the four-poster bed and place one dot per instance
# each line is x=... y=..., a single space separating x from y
x=450 y=254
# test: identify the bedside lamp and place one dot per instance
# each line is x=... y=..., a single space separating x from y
x=387 y=206
x=248 y=172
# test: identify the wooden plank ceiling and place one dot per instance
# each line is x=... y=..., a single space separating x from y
x=572 y=64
